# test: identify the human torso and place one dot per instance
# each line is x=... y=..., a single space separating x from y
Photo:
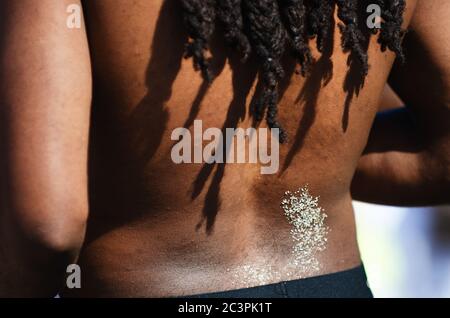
x=157 y=228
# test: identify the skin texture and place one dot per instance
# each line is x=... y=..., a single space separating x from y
x=156 y=228
x=413 y=168
x=45 y=95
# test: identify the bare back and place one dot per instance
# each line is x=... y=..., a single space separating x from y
x=158 y=228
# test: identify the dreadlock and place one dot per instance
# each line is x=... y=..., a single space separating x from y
x=263 y=18
x=320 y=14
x=352 y=36
x=294 y=16
x=230 y=13
x=268 y=27
x=391 y=32
x=199 y=18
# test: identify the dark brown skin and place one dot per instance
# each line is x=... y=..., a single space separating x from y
x=156 y=228
x=45 y=94
x=407 y=159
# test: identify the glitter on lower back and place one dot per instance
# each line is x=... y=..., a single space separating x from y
x=309 y=232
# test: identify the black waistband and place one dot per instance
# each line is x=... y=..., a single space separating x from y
x=351 y=283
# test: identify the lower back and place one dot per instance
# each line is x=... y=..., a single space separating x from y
x=162 y=228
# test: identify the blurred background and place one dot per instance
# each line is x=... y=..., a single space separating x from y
x=406 y=251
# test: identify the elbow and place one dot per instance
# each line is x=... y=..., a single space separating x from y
x=41 y=246
x=53 y=231
x=63 y=236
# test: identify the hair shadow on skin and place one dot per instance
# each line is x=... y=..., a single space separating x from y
x=355 y=78
x=121 y=185
x=217 y=63
x=162 y=71
x=289 y=65
x=320 y=75
x=243 y=78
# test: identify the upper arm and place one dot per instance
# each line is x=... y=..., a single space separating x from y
x=424 y=82
x=45 y=96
